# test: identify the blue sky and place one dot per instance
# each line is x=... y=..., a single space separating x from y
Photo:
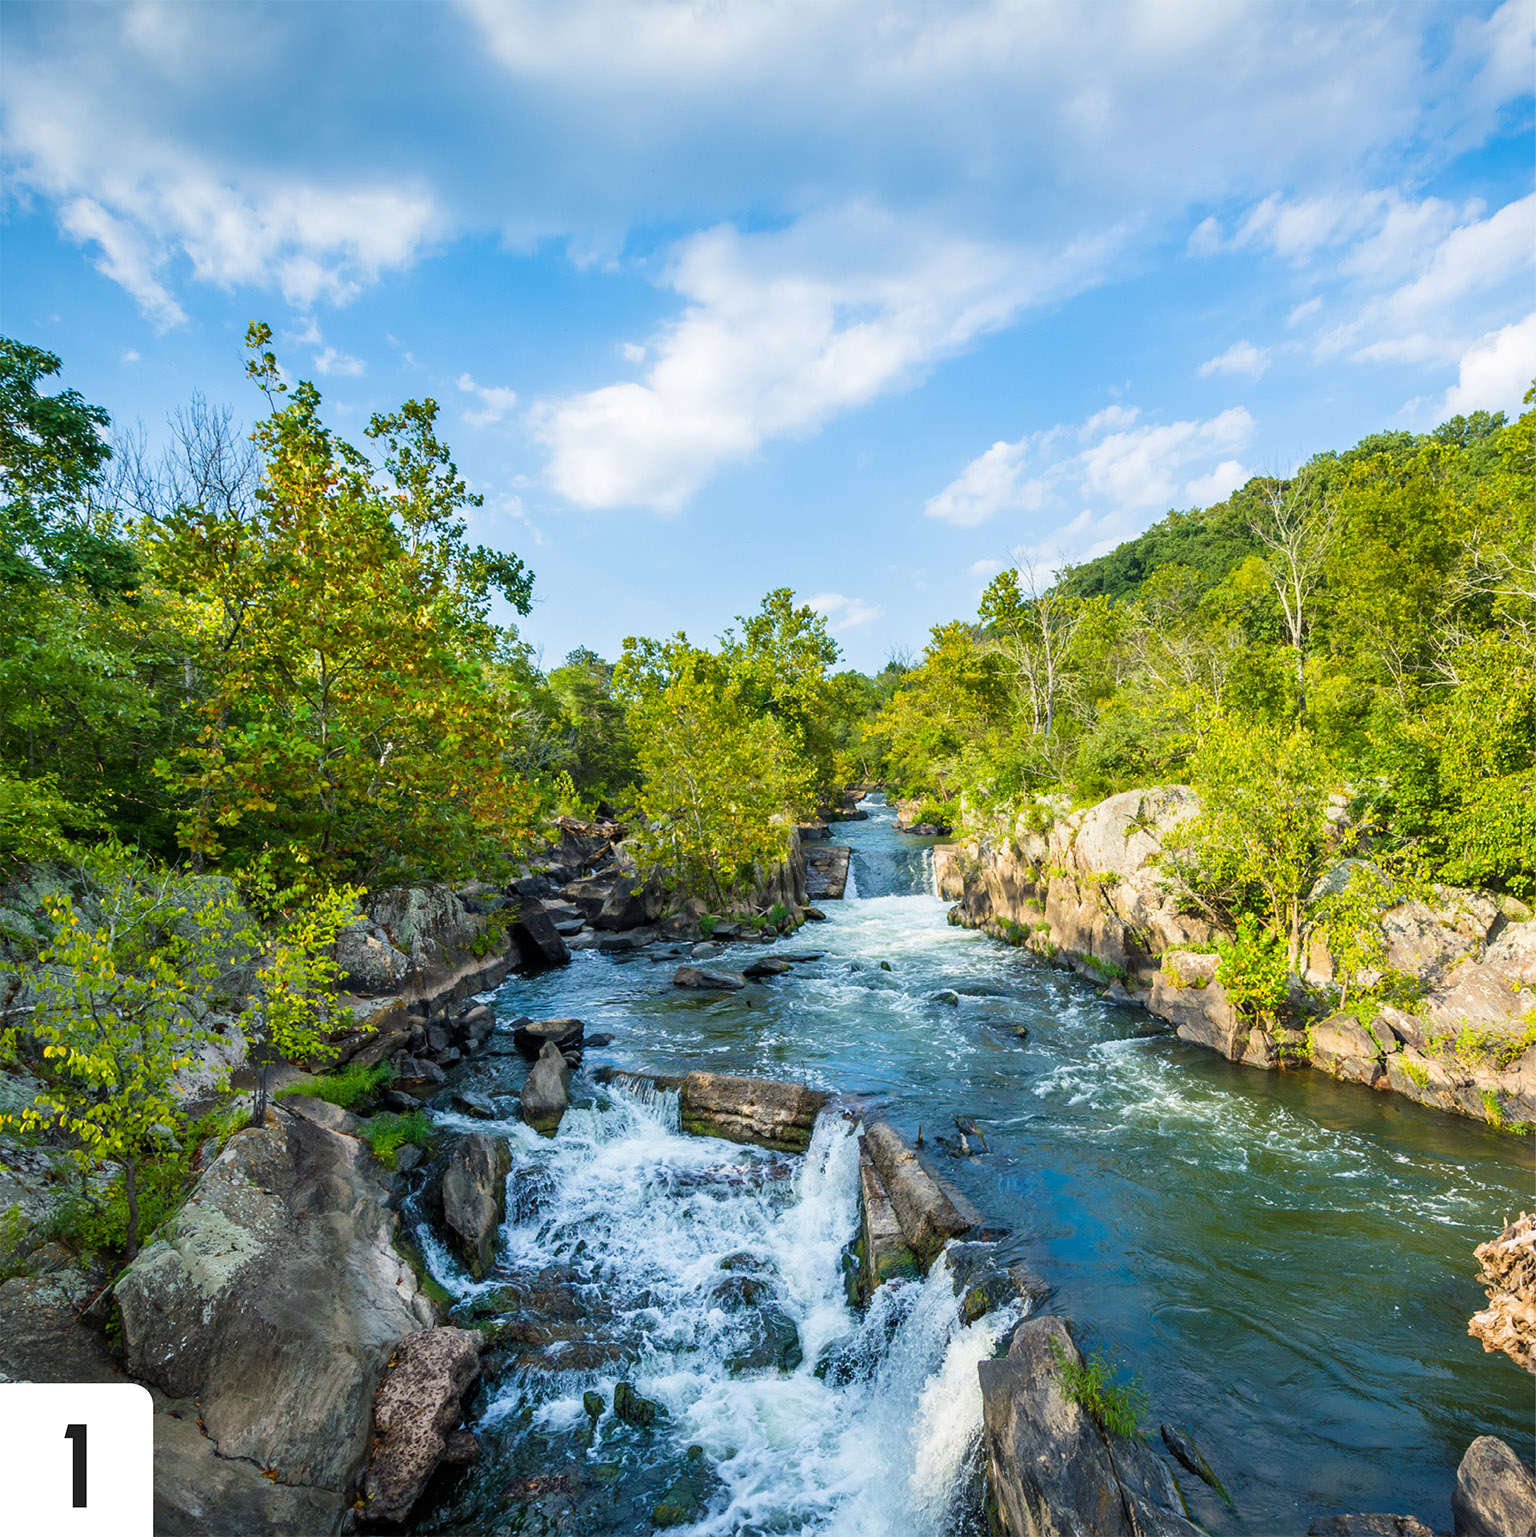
x=864 y=299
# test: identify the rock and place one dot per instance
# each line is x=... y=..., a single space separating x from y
x=1186 y=993
x=475 y=1198
x=274 y=1300
x=1369 y=1526
x=946 y=995
x=633 y=1409
x=706 y=951
x=538 y=942
x=593 y=1403
x=1495 y=1493
x=597 y=1042
x=531 y=1035
x=1186 y=1452
x=1051 y=1468
x=826 y=872
x=766 y=1111
x=774 y=1343
x=928 y=1216
x=399 y=1101
x=367 y=963
x=420 y=1073
x=769 y=966
x=321 y=1112
x=544 y=1097
x=886 y=1252
x=815 y=914
x=1508 y=1275
x=472 y=1102
x=41 y=1336
x=407 y=1158
x=695 y=976
x=620 y=944
x=418 y=1406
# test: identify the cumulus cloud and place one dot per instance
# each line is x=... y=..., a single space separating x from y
x=783 y=331
x=333 y=363
x=1495 y=371
x=1083 y=489
x=1240 y=358
x=495 y=401
x=843 y=613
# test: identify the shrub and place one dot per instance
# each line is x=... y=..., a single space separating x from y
x=1117 y=1408
x=1253 y=970
x=352 y=1086
x=937 y=813
x=387 y=1133
x=707 y=924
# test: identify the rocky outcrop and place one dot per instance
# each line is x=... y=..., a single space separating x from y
x=1092 y=890
x=928 y=1213
x=1052 y=1470
x=474 y=1196
x=273 y=1301
x=1508 y=1275
x=546 y=1090
x=709 y=981
x=766 y=1111
x=1495 y=1494
x=826 y=871
x=1369 y=1526
x=884 y=1252
x=415 y=1414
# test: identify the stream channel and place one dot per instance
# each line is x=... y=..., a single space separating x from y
x=1284 y=1260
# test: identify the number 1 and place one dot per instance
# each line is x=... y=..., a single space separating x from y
x=76 y=1433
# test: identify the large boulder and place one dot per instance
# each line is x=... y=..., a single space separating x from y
x=928 y=1216
x=1495 y=1493
x=766 y=1111
x=367 y=961
x=1508 y=1275
x=1053 y=1471
x=415 y=1413
x=538 y=940
x=546 y=1090
x=474 y=1195
x=274 y=1300
x=708 y=981
x=530 y=1036
x=1186 y=993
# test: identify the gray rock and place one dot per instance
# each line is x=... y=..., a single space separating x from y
x=531 y=1035
x=1369 y=1526
x=274 y=1301
x=416 y=1410
x=946 y=995
x=321 y=1112
x=768 y=1112
x=1052 y=1469
x=534 y=934
x=773 y=1342
x=545 y=1091
x=928 y=1216
x=1495 y=1493
x=816 y=915
x=41 y=1337
x=697 y=977
x=419 y=1071
x=769 y=966
x=706 y=951
x=475 y=1198
x=472 y=1102
x=633 y=1409
x=368 y=964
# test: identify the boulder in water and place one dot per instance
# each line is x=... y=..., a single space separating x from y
x=696 y=976
x=1369 y=1526
x=766 y=1111
x=815 y=914
x=530 y=1036
x=928 y=1215
x=417 y=1408
x=946 y=995
x=769 y=966
x=773 y=1342
x=537 y=939
x=545 y=1096
x=633 y=1409
x=475 y=1198
x=1495 y=1493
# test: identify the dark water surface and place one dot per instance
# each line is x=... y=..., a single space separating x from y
x=1284 y=1260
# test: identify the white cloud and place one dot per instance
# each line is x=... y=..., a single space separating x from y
x=1240 y=358
x=984 y=568
x=843 y=613
x=332 y=363
x=783 y=331
x=1304 y=311
x=633 y=352
x=1495 y=371
x=130 y=356
x=496 y=401
x=1079 y=501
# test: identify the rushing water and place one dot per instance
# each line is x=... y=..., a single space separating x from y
x=1284 y=1260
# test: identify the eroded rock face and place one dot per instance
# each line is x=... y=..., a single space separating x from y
x=766 y=1111
x=1051 y=1468
x=475 y=1198
x=546 y=1090
x=417 y=1408
x=274 y=1301
x=1495 y=1494
x=925 y=1211
x=1508 y=1275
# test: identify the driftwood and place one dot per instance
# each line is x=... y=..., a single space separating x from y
x=1508 y=1323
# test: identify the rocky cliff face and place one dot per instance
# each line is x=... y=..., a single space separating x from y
x=1090 y=890
x=1508 y=1275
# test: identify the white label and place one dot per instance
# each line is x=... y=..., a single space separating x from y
x=77 y=1460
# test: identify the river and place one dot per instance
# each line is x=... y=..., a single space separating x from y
x=1284 y=1261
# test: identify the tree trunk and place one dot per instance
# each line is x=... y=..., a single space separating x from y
x=131 y=1191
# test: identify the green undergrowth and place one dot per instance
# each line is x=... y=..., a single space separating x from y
x=352 y=1086
x=1117 y=1408
x=387 y=1132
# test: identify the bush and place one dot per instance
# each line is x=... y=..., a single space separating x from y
x=1253 y=970
x=1117 y=1408
x=387 y=1133
x=352 y=1086
x=938 y=813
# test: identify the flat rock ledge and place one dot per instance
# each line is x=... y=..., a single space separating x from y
x=775 y=1113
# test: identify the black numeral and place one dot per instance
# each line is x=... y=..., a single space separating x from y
x=76 y=1433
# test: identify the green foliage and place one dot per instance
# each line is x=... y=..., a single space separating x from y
x=938 y=813
x=387 y=1132
x=1253 y=970
x=707 y=924
x=1117 y=1408
x=351 y=1086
